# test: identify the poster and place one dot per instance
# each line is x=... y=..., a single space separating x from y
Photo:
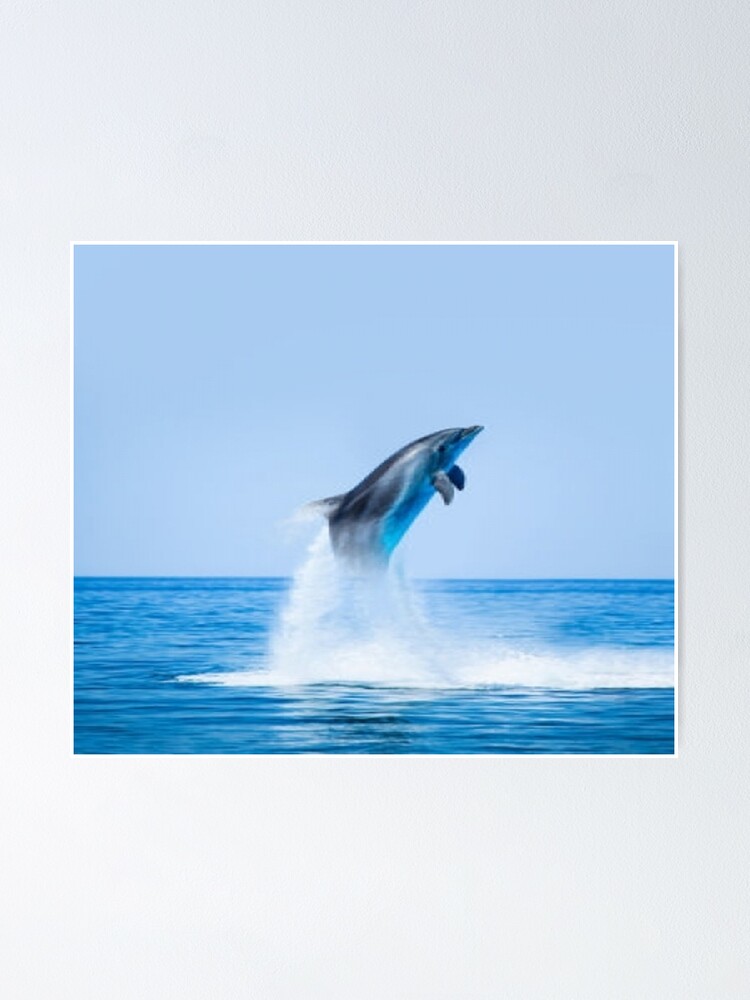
x=374 y=498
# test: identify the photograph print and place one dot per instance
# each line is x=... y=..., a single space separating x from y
x=373 y=498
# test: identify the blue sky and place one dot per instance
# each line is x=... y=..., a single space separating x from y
x=217 y=388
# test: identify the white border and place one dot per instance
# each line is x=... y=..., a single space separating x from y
x=410 y=756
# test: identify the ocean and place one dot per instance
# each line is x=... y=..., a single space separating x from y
x=321 y=665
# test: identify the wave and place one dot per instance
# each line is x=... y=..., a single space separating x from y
x=339 y=629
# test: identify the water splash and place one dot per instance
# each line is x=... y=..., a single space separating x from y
x=339 y=628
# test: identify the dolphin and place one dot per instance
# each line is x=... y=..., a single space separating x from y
x=367 y=523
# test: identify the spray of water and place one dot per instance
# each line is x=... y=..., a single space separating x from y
x=338 y=628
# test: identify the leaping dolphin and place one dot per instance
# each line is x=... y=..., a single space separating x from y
x=367 y=523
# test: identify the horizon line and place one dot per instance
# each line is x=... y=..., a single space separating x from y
x=276 y=576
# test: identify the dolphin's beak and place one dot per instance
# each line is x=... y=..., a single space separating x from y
x=471 y=432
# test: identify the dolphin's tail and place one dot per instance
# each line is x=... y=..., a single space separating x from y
x=326 y=507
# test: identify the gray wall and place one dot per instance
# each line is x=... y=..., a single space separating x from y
x=368 y=878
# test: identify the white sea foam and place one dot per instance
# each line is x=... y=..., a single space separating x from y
x=336 y=628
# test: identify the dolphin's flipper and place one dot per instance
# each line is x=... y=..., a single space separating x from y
x=444 y=486
x=457 y=477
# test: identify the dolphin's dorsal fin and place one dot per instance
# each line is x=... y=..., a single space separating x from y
x=457 y=477
x=327 y=506
x=444 y=486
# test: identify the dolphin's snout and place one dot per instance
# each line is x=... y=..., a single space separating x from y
x=371 y=519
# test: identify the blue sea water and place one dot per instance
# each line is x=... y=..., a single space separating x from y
x=228 y=666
